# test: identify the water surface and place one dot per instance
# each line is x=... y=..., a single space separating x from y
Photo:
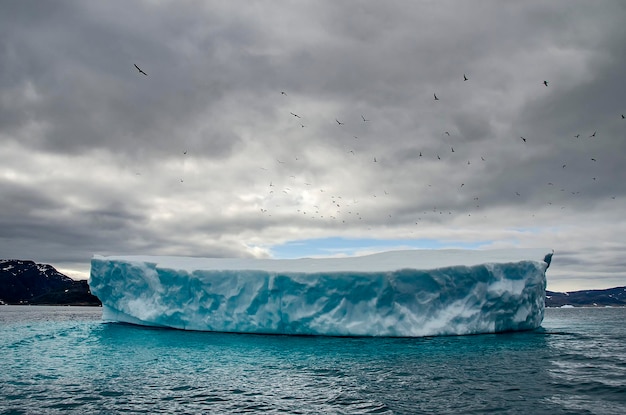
x=65 y=360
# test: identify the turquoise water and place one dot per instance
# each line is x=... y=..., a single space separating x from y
x=57 y=360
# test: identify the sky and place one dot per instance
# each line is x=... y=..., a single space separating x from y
x=284 y=129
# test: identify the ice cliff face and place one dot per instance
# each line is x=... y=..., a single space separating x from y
x=400 y=293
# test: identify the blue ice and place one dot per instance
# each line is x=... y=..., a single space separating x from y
x=398 y=293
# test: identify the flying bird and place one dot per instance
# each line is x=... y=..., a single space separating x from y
x=623 y=116
x=577 y=135
x=593 y=135
x=464 y=77
x=295 y=115
x=436 y=99
x=523 y=139
x=545 y=83
x=283 y=93
x=338 y=122
x=139 y=69
x=364 y=120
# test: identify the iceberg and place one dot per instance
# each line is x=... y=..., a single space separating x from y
x=408 y=293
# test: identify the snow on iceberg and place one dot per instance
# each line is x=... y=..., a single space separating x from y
x=399 y=293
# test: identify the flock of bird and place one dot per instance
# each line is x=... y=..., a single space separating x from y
x=338 y=208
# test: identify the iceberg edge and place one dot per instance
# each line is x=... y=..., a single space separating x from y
x=395 y=294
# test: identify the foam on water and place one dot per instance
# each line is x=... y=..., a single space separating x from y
x=398 y=293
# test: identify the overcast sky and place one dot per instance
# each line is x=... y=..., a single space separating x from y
x=310 y=128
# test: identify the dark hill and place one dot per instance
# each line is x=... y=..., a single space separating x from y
x=26 y=282
x=614 y=297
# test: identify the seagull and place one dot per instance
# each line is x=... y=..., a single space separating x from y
x=284 y=93
x=447 y=133
x=338 y=122
x=139 y=69
x=523 y=139
x=295 y=115
x=592 y=159
x=545 y=83
x=436 y=99
x=593 y=135
x=577 y=135
x=364 y=120
x=452 y=148
x=464 y=77
x=623 y=116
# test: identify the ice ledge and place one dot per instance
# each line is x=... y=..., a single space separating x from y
x=398 y=293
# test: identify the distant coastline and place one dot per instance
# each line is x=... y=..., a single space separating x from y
x=24 y=282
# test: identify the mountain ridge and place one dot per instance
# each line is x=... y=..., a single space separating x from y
x=28 y=282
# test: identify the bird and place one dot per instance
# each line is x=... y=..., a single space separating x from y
x=577 y=135
x=464 y=77
x=593 y=135
x=545 y=83
x=283 y=93
x=447 y=133
x=592 y=159
x=338 y=122
x=452 y=148
x=623 y=116
x=523 y=139
x=364 y=120
x=295 y=115
x=436 y=99
x=139 y=69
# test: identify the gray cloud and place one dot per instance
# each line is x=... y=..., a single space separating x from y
x=203 y=156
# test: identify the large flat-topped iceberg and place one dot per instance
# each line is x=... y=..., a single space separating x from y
x=397 y=293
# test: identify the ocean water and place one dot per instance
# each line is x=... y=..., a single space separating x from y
x=65 y=360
